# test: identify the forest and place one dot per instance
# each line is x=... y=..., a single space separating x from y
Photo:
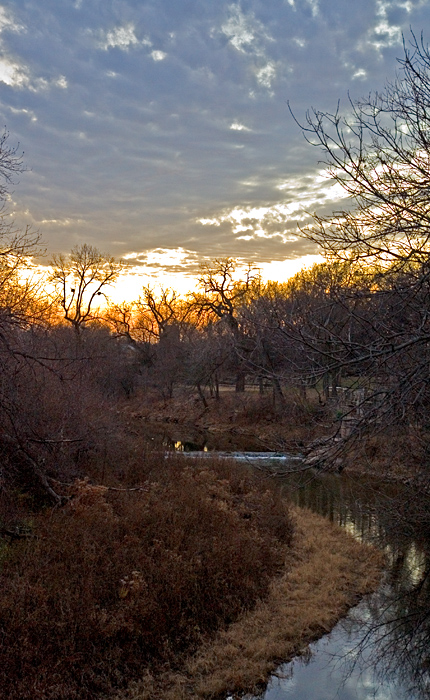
x=335 y=360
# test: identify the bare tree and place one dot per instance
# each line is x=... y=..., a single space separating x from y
x=380 y=155
x=120 y=318
x=164 y=317
x=19 y=296
x=220 y=299
x=161 y=314
x=80 y=278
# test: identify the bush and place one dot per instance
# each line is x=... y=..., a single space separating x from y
x=119 y=579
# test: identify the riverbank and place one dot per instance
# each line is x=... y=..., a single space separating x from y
x=126 y=578
x=192 y=575
x=247 y=421
x=303 y=426
x=329 y=573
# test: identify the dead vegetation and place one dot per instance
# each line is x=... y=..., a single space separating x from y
x=121 y=580
x=331 y=571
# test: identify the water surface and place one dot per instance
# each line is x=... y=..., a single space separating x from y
x=381 y=650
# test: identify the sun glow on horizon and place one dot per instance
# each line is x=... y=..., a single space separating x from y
x=162 y=269
x=129 y=286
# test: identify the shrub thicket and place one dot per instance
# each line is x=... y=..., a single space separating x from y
x=121 y=578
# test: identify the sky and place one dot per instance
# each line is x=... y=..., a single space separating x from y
x=159 y=131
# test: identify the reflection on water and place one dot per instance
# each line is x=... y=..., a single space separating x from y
x=381 y=650
x=179 y=438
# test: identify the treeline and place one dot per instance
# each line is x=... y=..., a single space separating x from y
x=341 y=334
x=354 y=331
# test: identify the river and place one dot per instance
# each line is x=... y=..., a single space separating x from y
x=381 y=649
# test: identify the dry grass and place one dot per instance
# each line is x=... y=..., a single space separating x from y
x=331 y=572
x=122 y=580
x=393 y=453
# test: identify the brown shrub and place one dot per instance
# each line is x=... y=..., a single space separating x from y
x=119 y=579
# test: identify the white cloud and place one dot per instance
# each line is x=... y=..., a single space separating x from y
x=275 y=221
x=60 y=82
x=158 y=55
x=28 y=112
x=249 y=36
x=166 y=257
x=119 y=37
x=300 y=42
x=314 y=7
x=167 y=267
x=266 y=75
x=63 y=222
x=19 y=76
x=360 y=73
x=13 y=74
x=12 y=71
x=383 y=34
x=237 y=126
x=7 y=21
x=241 y=30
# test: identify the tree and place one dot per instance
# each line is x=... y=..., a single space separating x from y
x=20 y=297
x=80 y=278
x=380 y=156
x=220 y=300
x=22 y=312
x=163 y=318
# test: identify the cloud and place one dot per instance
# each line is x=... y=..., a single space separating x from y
x=8 y=21
x=243 y=31
x=279 y=221
x=249 y=36
x=237 y=126
x=119 y=37
x=13 y=74
x=167 y=258
x=19 y=76
x=11 y=71
x=141 y=121
x=266 y=74
x=314 y=5
x=158 y=55
x=385 y=33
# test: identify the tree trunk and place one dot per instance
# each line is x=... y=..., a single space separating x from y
x=201 y=394
x=278 y=396
x=240 y=381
